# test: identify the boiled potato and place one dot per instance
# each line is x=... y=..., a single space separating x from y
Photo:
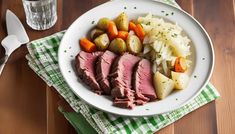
x=118 y=46
x=102 y=42
x=95 y=33
x=133 y=44
x=163 y=85
x=103 y=23
x=122 y=22
x=181 y=80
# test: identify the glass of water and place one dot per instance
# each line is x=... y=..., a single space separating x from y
x=40 y=14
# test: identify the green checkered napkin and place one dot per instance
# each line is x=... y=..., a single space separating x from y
x=42 y=58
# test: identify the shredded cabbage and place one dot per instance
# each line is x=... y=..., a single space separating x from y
x=163 y=42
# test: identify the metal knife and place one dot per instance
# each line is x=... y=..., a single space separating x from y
x=16 y=37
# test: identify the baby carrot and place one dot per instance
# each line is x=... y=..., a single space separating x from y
x=112 y=30
x=132 y=26
x=87 y=45
x=122 y=34
x=180 y=65
x=139 y=31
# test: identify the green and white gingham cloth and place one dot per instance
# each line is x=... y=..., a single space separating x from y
x=42 y=58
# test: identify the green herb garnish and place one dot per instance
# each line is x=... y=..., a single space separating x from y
x=174 y=35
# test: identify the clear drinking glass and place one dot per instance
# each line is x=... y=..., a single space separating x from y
x=40 y=14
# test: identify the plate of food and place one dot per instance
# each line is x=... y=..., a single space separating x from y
x=136 y=58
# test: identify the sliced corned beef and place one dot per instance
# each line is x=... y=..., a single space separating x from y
x=127 y=78
x=143 y=81
x=124 y=99
x=121 y=74
x=103 y=68
x=124 y=103
x=122 y=92
x=121 y=80
x=140 y=102
x=139 y=95
x=85 y=63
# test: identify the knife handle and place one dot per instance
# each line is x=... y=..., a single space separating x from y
x=3 y=61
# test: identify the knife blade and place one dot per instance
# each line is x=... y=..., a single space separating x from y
x=16 y=37
x=15 y=27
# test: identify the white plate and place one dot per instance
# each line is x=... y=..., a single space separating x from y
x=201 y=47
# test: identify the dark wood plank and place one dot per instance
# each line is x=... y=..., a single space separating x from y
x=186 y=5
x=56 y=122
x=205 y=117
x=200 y=121
x=78 y=7
x=22 y=92
x=22 y=100
x=218 y=18
x=167 y=130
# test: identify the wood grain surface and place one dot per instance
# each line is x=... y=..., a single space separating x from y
x=28 y=106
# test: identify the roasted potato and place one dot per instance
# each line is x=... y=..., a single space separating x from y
x=122 y=22
x=118 y=46
x=95 y=33
x=102 y=42
x=134 y=45
x=103 y=23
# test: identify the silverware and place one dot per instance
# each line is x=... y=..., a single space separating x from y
x=16 y=37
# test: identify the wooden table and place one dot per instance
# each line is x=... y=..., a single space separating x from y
x=28 y=105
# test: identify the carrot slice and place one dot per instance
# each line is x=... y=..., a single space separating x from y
x=180 y=65
x=122 y=34
x=132 y=26
x=87 y=45
x=112 y=30
x=139 y=31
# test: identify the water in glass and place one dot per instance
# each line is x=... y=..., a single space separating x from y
x=40 y=14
